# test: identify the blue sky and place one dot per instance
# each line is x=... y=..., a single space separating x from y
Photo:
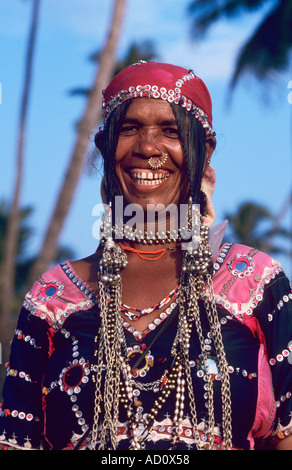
x=253 y=156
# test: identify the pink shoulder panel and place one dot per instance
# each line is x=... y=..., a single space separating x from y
x=58 y=293
x=240 y=275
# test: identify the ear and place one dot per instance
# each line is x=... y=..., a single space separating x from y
x=210 y=147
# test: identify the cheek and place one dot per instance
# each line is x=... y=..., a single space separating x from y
x=178 y=157
x=122 y=148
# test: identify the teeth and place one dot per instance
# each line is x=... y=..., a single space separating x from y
x=149 y=178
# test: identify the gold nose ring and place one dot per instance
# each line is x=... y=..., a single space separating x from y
x=156 y=163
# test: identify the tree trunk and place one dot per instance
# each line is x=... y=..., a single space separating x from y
x=85 y=127
x=12 y=234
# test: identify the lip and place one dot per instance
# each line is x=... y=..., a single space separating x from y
x=148 y=179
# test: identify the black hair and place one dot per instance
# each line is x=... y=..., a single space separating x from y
x=193 y=139
x=106 y=142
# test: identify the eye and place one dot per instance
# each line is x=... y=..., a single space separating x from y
x=171 y=132
x=128 y=129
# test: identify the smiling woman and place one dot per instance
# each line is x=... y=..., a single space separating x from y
x=152 y=140
x=164 y=338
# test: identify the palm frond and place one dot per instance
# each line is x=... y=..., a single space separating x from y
x=206 y=12
x=268 y=48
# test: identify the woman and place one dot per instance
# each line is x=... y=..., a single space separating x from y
x=161 y=339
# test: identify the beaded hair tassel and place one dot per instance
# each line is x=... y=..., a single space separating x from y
x=196 y=276
x=109 y=349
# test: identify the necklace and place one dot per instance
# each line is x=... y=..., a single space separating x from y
x=176 y=381
x=171 y=381
x=145 y=237
x=134 y=313
x=141 y=253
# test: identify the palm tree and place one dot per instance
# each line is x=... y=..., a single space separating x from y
x=143 y=50
x=13 y=227
x=268 y=48
x=255 y=226
x=85 y=127
x=25 y=233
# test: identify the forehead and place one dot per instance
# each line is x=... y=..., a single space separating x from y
x=150 y=110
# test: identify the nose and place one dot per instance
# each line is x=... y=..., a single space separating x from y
x=147 y=145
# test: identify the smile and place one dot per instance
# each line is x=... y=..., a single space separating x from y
x=149 y=178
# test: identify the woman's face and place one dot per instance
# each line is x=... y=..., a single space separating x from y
x=150 y=124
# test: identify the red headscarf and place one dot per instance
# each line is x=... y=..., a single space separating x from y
x=161 y=81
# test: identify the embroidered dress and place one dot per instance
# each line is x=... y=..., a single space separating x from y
x=50 y=386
